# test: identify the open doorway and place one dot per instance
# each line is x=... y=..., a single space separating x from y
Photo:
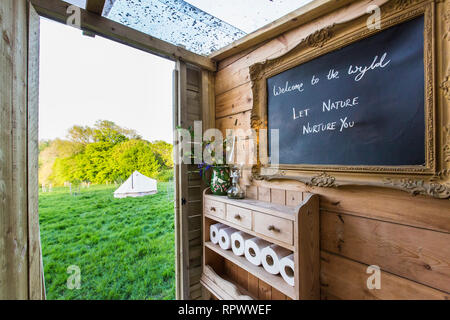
x=105 y=112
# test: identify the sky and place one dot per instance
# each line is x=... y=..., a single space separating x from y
x=84 y=79
x=248 y=15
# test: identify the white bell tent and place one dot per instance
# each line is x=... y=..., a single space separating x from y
x=137 y=185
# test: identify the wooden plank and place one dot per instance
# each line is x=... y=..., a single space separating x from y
x=14 y=282
x=277 y=295
x=265 y=291
x=183 y=249
x=95 y=6
x=264 y=194
x=417 y=211
x=347 y=279
x=307 y=253
x=56 y=10
x=234 y=101
x=253 y=284
x=208 y=100
x=35 y=273
x=288 y=22
x=242 y=278
x=235 y=122
x=417 y=254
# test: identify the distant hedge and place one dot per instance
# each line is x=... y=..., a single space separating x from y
x=105 y=153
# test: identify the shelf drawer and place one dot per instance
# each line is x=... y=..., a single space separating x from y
x=239 y=216
x=274 y=227
x=215 y=208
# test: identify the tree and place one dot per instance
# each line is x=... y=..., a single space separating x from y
x=81 y=134
x=164 y=153
x=133 y=155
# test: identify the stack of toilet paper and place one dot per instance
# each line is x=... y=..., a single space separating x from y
x=274 y=259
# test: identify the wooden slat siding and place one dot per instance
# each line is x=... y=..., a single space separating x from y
x=57 y=10
x=377 y=203
x=237 y=121
x=242 y=278
x=277 y=295
x=253 y=285
x=417 y=254
x=234 y=101
x=265 y=291
x=237 y=73
x=14 y=282
x=34 y=243
x=347 y=279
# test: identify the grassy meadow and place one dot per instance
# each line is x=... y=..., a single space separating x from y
x=125 y=248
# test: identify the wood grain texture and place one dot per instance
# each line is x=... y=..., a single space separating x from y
x=56 y=10
x=347 y=279
x=417 y=254
x=236 y=100
x=34 y=244
x=95 y=6
x=14 y=282
x=404 y=234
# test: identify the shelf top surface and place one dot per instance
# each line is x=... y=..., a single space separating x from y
x=258 y=205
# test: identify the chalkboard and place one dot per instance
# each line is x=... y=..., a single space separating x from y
x=359 y=105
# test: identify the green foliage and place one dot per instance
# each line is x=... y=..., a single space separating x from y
x=125 y=248
x=165 y=175
x=133 y=155
x=105 y=153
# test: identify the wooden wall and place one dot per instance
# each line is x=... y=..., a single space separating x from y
x=407 y=237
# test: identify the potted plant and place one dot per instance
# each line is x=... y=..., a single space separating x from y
x=220 y=172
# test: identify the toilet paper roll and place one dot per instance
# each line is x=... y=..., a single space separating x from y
x=271 y=256
x=287 y=269
x=225 y=237
x=253 y=249
x=238 y=242
x=214 y=232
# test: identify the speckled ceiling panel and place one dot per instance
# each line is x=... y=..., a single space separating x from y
x=177 y=22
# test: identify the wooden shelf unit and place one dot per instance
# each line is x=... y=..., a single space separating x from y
x=294 y=228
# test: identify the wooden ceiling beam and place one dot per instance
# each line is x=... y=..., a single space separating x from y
x=95 y=6
x=92 y=22
x=304 y=14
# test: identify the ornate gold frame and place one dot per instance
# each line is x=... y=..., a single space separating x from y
x=431 y=179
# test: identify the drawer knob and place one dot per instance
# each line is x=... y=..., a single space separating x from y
x=272 y=228
x=237 y=217
x=213 y=209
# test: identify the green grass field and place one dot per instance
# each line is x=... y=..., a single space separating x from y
x=123 y=247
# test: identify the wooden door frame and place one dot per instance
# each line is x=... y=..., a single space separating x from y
x=96 y=25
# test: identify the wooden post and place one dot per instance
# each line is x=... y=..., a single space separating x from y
x=13 y=151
